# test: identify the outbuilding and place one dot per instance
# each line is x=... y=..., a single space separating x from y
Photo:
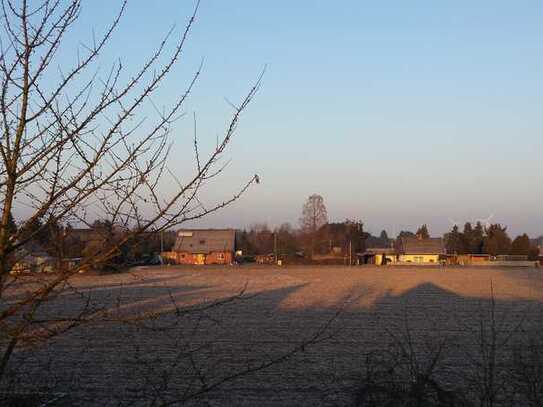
x=378 y=255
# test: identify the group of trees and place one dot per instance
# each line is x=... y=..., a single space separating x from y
x=317 y=236
x=82 y=141
x=63 y=242
x=260 y=239
x=492 y=239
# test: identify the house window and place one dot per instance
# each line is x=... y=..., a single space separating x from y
x=183 y=255
x=202 y=241
x=220 y=256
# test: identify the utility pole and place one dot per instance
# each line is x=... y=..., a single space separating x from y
x=350 y=252
x=275 y=246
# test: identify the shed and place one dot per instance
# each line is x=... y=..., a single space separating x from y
x=375 y=255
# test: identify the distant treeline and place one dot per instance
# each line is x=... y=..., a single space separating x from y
x=64 y=241
x=312 y=238
x=340 y=237
x=493 y=240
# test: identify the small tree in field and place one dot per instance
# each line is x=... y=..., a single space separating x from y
x=314 y=215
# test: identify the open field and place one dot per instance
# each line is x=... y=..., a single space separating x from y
x=280 y=307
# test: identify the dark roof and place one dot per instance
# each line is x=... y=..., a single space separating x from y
x=414 y=245
x=380 y=250
x=205 y=241
x=86 y=235
x=34 y=248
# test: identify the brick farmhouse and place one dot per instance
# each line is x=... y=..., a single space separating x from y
x=203 y=246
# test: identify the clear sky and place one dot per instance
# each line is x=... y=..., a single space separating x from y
x=398 y=113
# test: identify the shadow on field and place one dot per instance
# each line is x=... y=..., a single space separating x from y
x=443 y=349
x=426 y=346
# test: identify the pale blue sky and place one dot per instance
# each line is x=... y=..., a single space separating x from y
x=397 y=113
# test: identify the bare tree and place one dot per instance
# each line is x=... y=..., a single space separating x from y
x=314 y=215
x=73 y=149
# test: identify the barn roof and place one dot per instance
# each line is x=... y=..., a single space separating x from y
x=205 y=241
x=414 y=245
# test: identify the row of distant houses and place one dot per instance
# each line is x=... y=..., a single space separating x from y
x=218 y=246
x=416 y=250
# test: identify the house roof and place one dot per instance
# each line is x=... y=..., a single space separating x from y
x=380 y=250
x=34 y=249
x=86 y=235
x=414 y=245
x=205 y=241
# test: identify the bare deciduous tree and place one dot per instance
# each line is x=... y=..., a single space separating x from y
x=73 y=149
x=314 y=215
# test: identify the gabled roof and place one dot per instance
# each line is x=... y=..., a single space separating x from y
x=205 y=241
x=414 y=245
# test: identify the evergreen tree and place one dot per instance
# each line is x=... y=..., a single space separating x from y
x=383 y=237
x=521 y=245
x=243 y=242
x=405 y=233
x=473 y=238
x=534 y=253
x=454 y=241
x=497 y=241
x=467 y=236
x=422 y=232
x=478 y=239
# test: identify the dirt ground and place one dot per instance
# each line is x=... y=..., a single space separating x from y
x=362 y=309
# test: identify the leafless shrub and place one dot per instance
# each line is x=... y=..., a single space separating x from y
x=490 y=363
x=408 y=372
x=526 y=369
